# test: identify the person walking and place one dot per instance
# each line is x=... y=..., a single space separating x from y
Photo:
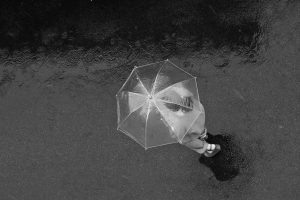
x=196 y=135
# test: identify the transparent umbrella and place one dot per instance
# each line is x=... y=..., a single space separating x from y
x=158 y=104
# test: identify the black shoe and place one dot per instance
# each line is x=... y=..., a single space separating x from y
x=225 y=164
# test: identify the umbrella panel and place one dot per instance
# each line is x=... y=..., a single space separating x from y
x=158 y=132
x=158 y=104
x=179 y=120
x=134 y=84
x=147 y=74
x=135 y=123
x=184 y=94
x=128 y=102
x=168 y=75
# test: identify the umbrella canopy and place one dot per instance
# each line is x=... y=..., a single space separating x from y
x=158 y=104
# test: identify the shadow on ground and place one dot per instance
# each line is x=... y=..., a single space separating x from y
x=227 y=163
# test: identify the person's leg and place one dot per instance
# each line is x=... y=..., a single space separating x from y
x=197 y=145
x=203 y=147
x=212 y=150
x=226 y=164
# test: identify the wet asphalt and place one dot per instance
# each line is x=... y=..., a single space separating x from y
x=59 y=141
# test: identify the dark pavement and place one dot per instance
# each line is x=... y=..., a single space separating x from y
x=59 y=141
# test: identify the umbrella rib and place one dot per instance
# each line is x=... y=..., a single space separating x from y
x=146 y=126
x=154 y=84
x=163 y=144
x=190 y=127
x=130 y=114
x=180 y=68
x=161 y=113
x=125 y=82
x=197 y=88
x=150 y=64
x=167 y=88
x=139 y=94
x=142 y=83
x=129 y=135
